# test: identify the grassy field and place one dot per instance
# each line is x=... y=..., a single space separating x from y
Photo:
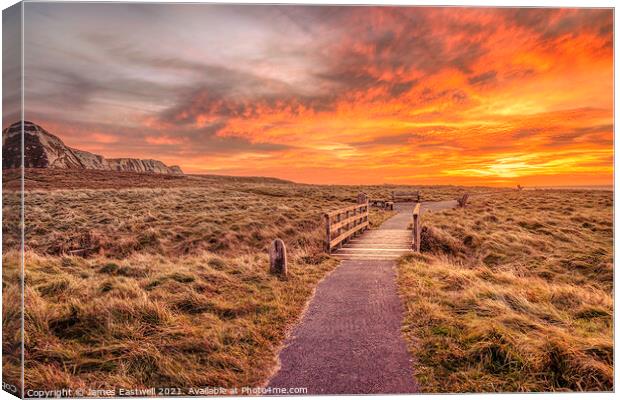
x=513 y=293
x=145 y=280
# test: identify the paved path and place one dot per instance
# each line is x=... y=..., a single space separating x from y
x=349 y=340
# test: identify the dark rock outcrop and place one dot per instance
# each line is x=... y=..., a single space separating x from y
x=44 y=150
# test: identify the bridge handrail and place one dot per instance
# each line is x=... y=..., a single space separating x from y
x=344 y=223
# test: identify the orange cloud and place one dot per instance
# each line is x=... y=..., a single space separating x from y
x=103 y=138
x=401 y=95
x=164 y=140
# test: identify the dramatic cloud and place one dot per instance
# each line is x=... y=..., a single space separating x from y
x=331 y=94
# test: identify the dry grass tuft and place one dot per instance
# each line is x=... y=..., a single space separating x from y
x=513 y=293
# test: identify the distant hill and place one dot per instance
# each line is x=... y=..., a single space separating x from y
x=65 y=178
x=242 y=179
x=44 y=150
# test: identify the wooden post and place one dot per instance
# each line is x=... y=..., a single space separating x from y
x=328 y=234
x=337 y=232
x=277 y=258
x=416 y=233
x=416 y=228
x=362 y=198
x=349 y=224
x=462 y=201
x=355 y=221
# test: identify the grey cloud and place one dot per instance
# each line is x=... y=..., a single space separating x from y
x=387 y=140
x=483 y=79
x=133 y=140
x=429 y=95
x=207 y=101
x=525 y=133
x=11 y=64
x=402 y=87
x=552 y=23
x=591 y=134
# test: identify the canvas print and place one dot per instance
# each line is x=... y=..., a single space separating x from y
x=225 y=199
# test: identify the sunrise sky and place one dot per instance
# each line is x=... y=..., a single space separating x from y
x=331 y=94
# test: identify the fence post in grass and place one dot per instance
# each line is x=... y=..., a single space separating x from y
x=462 y=201
x=416 y=228
x=277 y=258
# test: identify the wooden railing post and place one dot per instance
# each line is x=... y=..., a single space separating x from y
x=328 y=234
x=362 y=199
x=344 y=227
x=347 y=226
x=416 y=228
x=355 y=221
x=365 y=217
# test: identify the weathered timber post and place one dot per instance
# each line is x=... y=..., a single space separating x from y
x=416 y=228
x=328 y=234
x=362 y=198
x=462 y=201
x=345 y=229
x=277 y=258
x=355 y=220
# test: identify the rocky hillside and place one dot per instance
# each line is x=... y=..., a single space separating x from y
x=44 y=150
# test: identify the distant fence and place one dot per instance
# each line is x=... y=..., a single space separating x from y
x=341 y=225
x=380 y=203
x=406 y=196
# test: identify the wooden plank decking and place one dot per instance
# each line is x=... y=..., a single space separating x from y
x=377 y=244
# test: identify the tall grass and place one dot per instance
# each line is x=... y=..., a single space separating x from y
x=150 y=321
x=513 y=293
x=163 y=286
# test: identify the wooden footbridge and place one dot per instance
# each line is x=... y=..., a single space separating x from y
x=348 y=236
